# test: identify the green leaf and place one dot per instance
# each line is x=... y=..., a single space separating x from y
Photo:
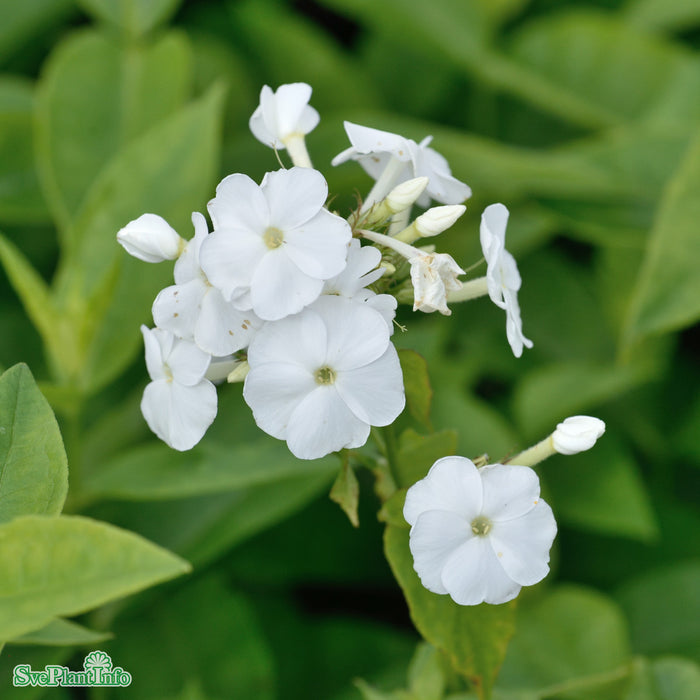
x=665 y=679
x=602 y=490
x=426 y=679
x=157 y=472
x=417 y=453
x=667 y=293
x=416 y=385
x=61 y=632
x=569 y=636
x=95 y=96
x=33 y=467
x=663 y=610
x=67 y=565
x=134 y=17
x=38 y=657
x=346 y=492
x=21 y=200
x=662 y=15
x=474 y=638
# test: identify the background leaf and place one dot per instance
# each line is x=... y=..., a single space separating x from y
x=134 y=17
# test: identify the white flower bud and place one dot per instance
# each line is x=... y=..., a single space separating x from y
x=238 y=373
x=404 y=195
x=150 y=238
x=438 y=219
x=577 y=434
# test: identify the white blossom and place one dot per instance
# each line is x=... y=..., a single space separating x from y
x=321 y=378
x=283 y=115
x=273 y=245
x=193 y=309
x=432 y=276
x=577 y=434
x=150 y=238
x=397 y=159
x=179 y=404
x=479 y=535
x=502 y=276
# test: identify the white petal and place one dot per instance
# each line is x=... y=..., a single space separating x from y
x=367 y=140
x=492 y=232
x=279 y=288
x=273 y=392
x=179 y=415
x=473 y=575
x=510 y=491
x=361 y=269
x=176 y=308
x=299 y=340
x=239 y=204
x=357 y=334
x=294 y=196
x=374 y=393
x=522 y=545
x=222 y=329
x=434 y=537
x=452 y=484
x=442 y=186
x=157 y=342
x=319 y=247
x=291 y=99
x=229 y=259
x=386 y=305
x=187 y=265
x=187 y=362
x=322 y=424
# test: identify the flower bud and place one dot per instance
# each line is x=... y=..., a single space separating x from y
x=438 y=219
x=150 y=238
x=404 y=195
x=239 y=372
x=577 y=434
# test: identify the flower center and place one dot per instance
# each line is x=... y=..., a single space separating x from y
x=481 y=525
x=324 y=375
x=273 y=238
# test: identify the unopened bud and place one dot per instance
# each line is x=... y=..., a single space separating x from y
x=151 y=238
x=404 y=195
x=239 y=372
x=577 y=434
x=438 y=219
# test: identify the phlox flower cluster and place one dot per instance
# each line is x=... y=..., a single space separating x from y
x=299 y=303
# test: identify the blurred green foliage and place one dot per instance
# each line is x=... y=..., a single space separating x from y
x=582 y=117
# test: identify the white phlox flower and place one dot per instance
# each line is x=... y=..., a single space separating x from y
x=273 y=245
x=179 y=404
x=577 y=434
x=151 y=238
x=283 y=115
x=502 y=276
x=321 y=378
x=360 y=271
x=397 y=159
x=193 y=309
x=479 y=535
x=432 y=276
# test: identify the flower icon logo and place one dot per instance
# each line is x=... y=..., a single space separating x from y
x=97 y=660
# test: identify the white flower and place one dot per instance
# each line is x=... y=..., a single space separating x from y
x=360 y=271
x=283 y=114
x=577 y=434
x=479 y=535
x=502 y=276
x=438 y=219
x=179 y=404
x=321 y=378
x=432 y=276
x=151 y=238
x=194 y=310
x=273 y=245
x=378 y=150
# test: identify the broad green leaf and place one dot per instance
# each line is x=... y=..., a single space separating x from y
x=157 y=472
x=67 y=565
x=426 y=678
x=204 y=632
x=369 y=692
x=417 y=385
x=417 y=453
x=22 y=20
x=474 y=638
x=568 y=639
x=663 y=15
x=602 y=490
x=60 y=632
x=667 y=293
x=21 y=200
x=663 y=610
x=134 y=17
x=664 y=679
x=346 y=492
x=96 y=95
x=33 y=467
x=38 y=657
